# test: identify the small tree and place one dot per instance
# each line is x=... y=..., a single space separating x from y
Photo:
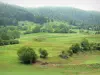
x=75 y=48
x=43 y=53
x=27 y=55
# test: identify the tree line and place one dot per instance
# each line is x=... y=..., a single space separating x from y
x=83 y=46
x=52 y=27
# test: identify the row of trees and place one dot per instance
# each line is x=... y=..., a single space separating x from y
x=8 y=36
x=52 y=27
x=82 y=47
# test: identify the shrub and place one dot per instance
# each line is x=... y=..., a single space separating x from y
x=85 y=44
x=75 y=48
x=27 y=55
x=14 y=41
x=63 y=55
x=43 y=53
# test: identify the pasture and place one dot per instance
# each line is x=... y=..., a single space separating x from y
x=79 y=64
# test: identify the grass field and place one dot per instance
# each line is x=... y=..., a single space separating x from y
x=81 y=64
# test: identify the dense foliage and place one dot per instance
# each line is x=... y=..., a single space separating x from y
x=76 y=17
x=52 y=27
x=8 y=35
x=75 y=48
x=11 y=15
x=27 y=55
x=82 y=47
x=8 y=42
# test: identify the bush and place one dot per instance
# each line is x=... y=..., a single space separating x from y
x=27 y=55
x=75 y=48
x=63 y=55
x=43 y=53
x=85 y=44
x=14 y=41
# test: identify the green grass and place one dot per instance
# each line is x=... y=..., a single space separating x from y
x=80 y=64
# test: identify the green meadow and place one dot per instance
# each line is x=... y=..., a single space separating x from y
x=87 y=63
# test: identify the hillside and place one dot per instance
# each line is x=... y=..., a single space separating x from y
x=68 y=14
x=11 y=14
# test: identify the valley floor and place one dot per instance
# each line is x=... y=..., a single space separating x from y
x=81 y=64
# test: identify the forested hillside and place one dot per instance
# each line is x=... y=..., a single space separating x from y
x=77 y=17
x=68 y=13
x=11 y=14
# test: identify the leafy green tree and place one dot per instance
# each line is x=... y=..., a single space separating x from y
x=27 y=55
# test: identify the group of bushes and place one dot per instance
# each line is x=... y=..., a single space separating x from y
x=8 y=42
x=82 y=47
x=27 y=55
